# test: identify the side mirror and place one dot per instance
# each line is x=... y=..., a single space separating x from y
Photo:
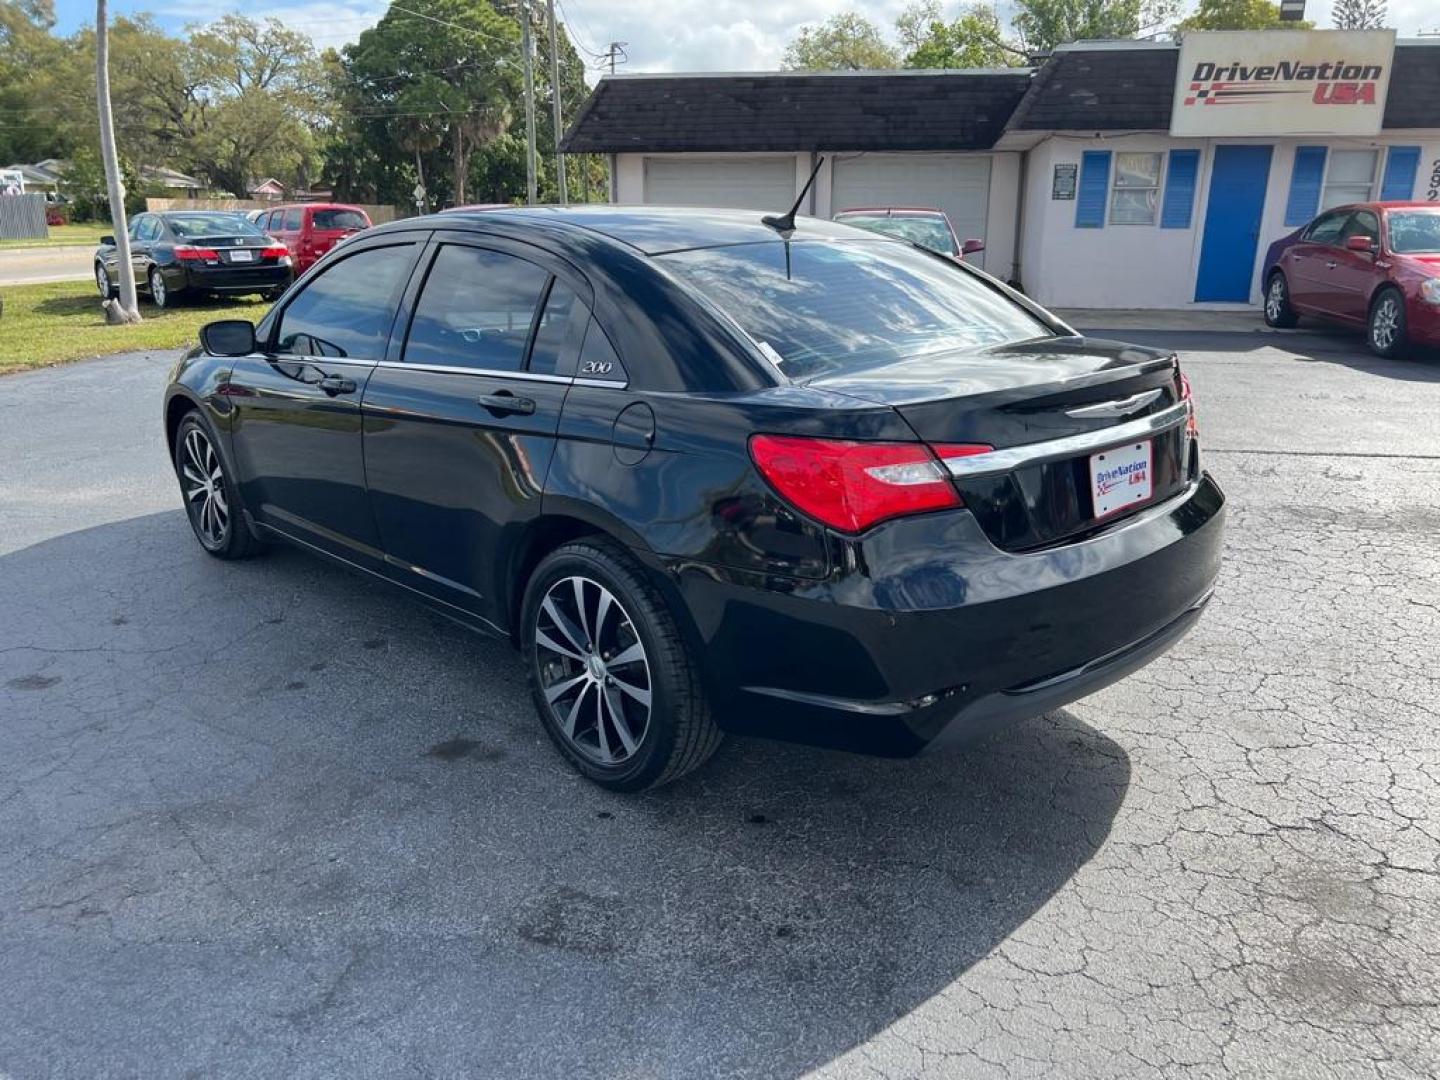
x=107 y=241
x=228 y=337
x=969 y=247
x=1360 y=243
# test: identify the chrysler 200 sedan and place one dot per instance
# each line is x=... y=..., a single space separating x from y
x=711 y=475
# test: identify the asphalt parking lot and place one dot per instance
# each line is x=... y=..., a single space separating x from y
x=266 y=819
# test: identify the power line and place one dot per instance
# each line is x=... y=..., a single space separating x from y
x=570 y=24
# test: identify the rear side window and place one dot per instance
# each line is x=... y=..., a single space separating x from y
x=557 y=335
x=338 y=219
x=819 y=307
x=292 y=220
x=475 y=310
x=348 y=309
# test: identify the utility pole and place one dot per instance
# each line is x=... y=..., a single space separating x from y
x=555 y=103
x=616 y=53
x=129 y=305
x=527 y=48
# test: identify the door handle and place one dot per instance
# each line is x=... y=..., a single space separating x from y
x=1330 y=266
x=337 y=384
x=506 y=402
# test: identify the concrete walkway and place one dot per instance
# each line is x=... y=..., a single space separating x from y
x=1232 y=319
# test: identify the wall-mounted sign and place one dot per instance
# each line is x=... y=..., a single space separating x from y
x=12 y=182
x=1282 y=82
x=1062 y=185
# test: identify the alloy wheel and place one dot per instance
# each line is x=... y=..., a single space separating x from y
x=203 y=481
x=102 y=281
x=1275 y=298
x=157 y=288
x=1385 y=323
x=593 y=670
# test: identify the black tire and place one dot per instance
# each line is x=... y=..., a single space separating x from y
x=679 y=733
x=271 y=295
x=103 y=284
x=1278 y=311
x=226 y=536
x=1385 y=329
x=161 y=295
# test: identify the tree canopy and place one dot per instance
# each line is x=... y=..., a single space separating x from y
x=844 y=42
x=1239 y=15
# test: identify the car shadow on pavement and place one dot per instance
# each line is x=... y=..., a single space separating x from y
x=271 y=818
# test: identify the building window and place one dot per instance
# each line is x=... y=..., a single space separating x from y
x=1350 y=177
x=1136 y=193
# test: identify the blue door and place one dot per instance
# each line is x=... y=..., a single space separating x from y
x=1232 y=223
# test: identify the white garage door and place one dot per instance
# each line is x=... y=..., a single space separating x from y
x=955 y=183
x=740 y=183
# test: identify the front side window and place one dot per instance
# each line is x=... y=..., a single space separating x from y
x=818 y=307
x=475 y=310
x=1136 y=190
x=1362 y=223
x=1349 y=177
x=347 y=310
x=1415 y=232
x=1327 y=229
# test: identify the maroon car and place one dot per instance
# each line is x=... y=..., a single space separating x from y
x=923 y=225
x=1375 y=265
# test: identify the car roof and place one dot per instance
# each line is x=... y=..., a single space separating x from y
x=651 y=229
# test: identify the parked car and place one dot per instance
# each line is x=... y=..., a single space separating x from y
x=1375 y=265
x=309 y=230
x=182 y=253
x=709 y=475
x=477 y=206
x=921 y=225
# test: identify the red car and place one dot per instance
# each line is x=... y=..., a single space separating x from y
x=1375 y=265
x=309 y=230
x=923 y=225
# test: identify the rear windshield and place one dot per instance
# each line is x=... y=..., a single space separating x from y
x=928 y=232
x=212 y=225
x=339 y=219
x=820 y=307
x=1414 y=232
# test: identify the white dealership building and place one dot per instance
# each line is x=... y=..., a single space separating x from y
x=1112 y=174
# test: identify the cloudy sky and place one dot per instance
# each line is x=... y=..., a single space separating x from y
x=669 y=35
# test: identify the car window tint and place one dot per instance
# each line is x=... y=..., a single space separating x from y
x=816 y=307
x=338 y=219
x=263 y=221
x=1362 y=223
x=929 y=232
x=1415 y=231
x=135 y=227
x=347 y=310
x=475 y=310
x=292 y=220
x=557 y=335
x=1326 y=230
x=598 y=359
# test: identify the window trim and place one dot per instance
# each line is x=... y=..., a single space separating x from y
x=1335 y=211
x=1159 y=156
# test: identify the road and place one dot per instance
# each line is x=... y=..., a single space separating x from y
x=266 y=819
x=37 y=265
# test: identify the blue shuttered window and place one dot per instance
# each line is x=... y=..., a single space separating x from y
x=1179 y=189
x=1401 y=165
x=1094 y=187
x=1305 y=184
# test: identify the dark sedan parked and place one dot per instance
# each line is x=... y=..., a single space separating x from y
x=1375 y=265
x=196 y=253
x=711 y=475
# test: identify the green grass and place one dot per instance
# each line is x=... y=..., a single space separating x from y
x=88 y=235
x=60 y=321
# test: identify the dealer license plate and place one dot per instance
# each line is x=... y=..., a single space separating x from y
x=1121 y=477
x=242 y=256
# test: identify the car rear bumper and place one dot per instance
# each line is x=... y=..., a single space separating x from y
x=927 y=635
x=230 y=279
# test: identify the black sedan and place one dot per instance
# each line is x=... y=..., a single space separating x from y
x=180 y=254
x=709 y=475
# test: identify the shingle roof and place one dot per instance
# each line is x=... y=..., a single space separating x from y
x=1131 y=89
x=792 y=112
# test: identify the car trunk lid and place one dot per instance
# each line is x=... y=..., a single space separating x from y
x=1046 y=406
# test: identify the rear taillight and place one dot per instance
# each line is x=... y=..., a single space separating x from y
x=187 y=253
x=851 y=486
x=1192 y=429
x=279 y=251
